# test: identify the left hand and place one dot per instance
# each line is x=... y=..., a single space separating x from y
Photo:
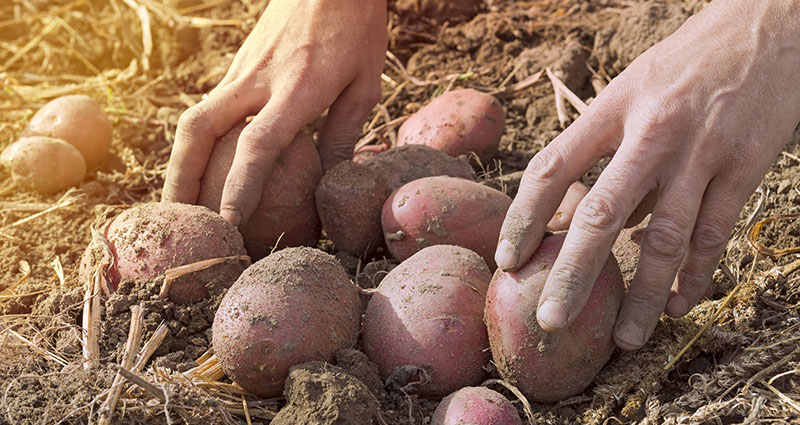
x=698 y=119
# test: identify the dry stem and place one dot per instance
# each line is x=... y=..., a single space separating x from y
x=176 y=272
x=131 y=347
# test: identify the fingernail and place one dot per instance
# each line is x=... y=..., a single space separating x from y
x=506 y=256
x=552 y=314
x=677 y=306
x=233 y=216
x=630 y=334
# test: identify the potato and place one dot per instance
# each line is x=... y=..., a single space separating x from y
x=427 y=313
x=150 y=238
x=287 y=205
x=444 y=210
x=78 y=120
x=475 y=405
x=294 y=306
x=349 y=200
x=408 y=163
x=44 y=164
x=548 y=367
x=457 y=122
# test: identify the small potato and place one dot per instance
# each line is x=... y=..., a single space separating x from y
x=286 y=211
x=78 y=120
x=456 y=123
x=444 y=210
x=475 y=405
x=349 y=200
x=427 y=313
x=150 y=238
x=408 y=163
x=294 y=306
x=548 y=367
x=44 y=164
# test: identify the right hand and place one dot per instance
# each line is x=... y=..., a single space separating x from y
x=303 y=57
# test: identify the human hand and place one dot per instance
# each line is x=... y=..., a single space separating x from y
x=697 y=119
x=302 y=57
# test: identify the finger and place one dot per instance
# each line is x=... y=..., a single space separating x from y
x=198 y=129
x=346 y=117
x=718 y=213
x=259 y=146
x=663 y=248
x=545 y=182
x=566 y=209
x=595 y=225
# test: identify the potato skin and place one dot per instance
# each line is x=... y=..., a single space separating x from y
x=457 y=122
x=405 y=164
x=475 y=405
x=548 y=367
x=444 y=210
x=150 y=238
x=428 y=312
x=294 y=306
x=78 y=120
x=44 y=164
x=349 y=201
x=287 y=203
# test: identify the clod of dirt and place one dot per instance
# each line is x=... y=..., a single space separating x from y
x=320 y=393
x=357 y=364
x=439 y=10
x=639 y=28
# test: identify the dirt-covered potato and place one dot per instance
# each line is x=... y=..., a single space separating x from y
x=286 y=210
x=548 y=367
x=294 y=306
x=150 y=238
x=349 y=199
x=475 y=405
x=444 y=210
x=408 y=163
x=427 y=313
x=78 y=120
x=44 y=164
x=457 y=122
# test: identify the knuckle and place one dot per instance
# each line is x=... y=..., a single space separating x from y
x=695 y=279
x=193 y=120
x=571 y=280
x=545 y=165
x=598 y=210
x=665 y=238
x=709 y=237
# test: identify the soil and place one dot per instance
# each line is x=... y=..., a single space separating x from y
x=743 y=368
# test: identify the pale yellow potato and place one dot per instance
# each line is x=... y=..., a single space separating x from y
x=44 y=164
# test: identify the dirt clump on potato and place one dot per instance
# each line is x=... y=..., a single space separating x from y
x=286 y=214
x=44 y=164
x=78 y=120
x=294 y=306
x=323 y=394
x=349 y=200
x=444 y=210
x=427 y=317
x=405 y=164
x=459 y=122
x=147 y=239
x=548 y=367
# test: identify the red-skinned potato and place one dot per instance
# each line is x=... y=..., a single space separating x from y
x=475 y=405
x=405 y=164
x=427 y=313
x=150 y=238
x=548 y=367
x=294 y=306
x=457 y=122
x=349 y=200
x=444 y=210
x=44 y=164
x=78 y=120
x=287 y=210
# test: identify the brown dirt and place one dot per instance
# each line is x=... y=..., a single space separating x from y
x=96 y=49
